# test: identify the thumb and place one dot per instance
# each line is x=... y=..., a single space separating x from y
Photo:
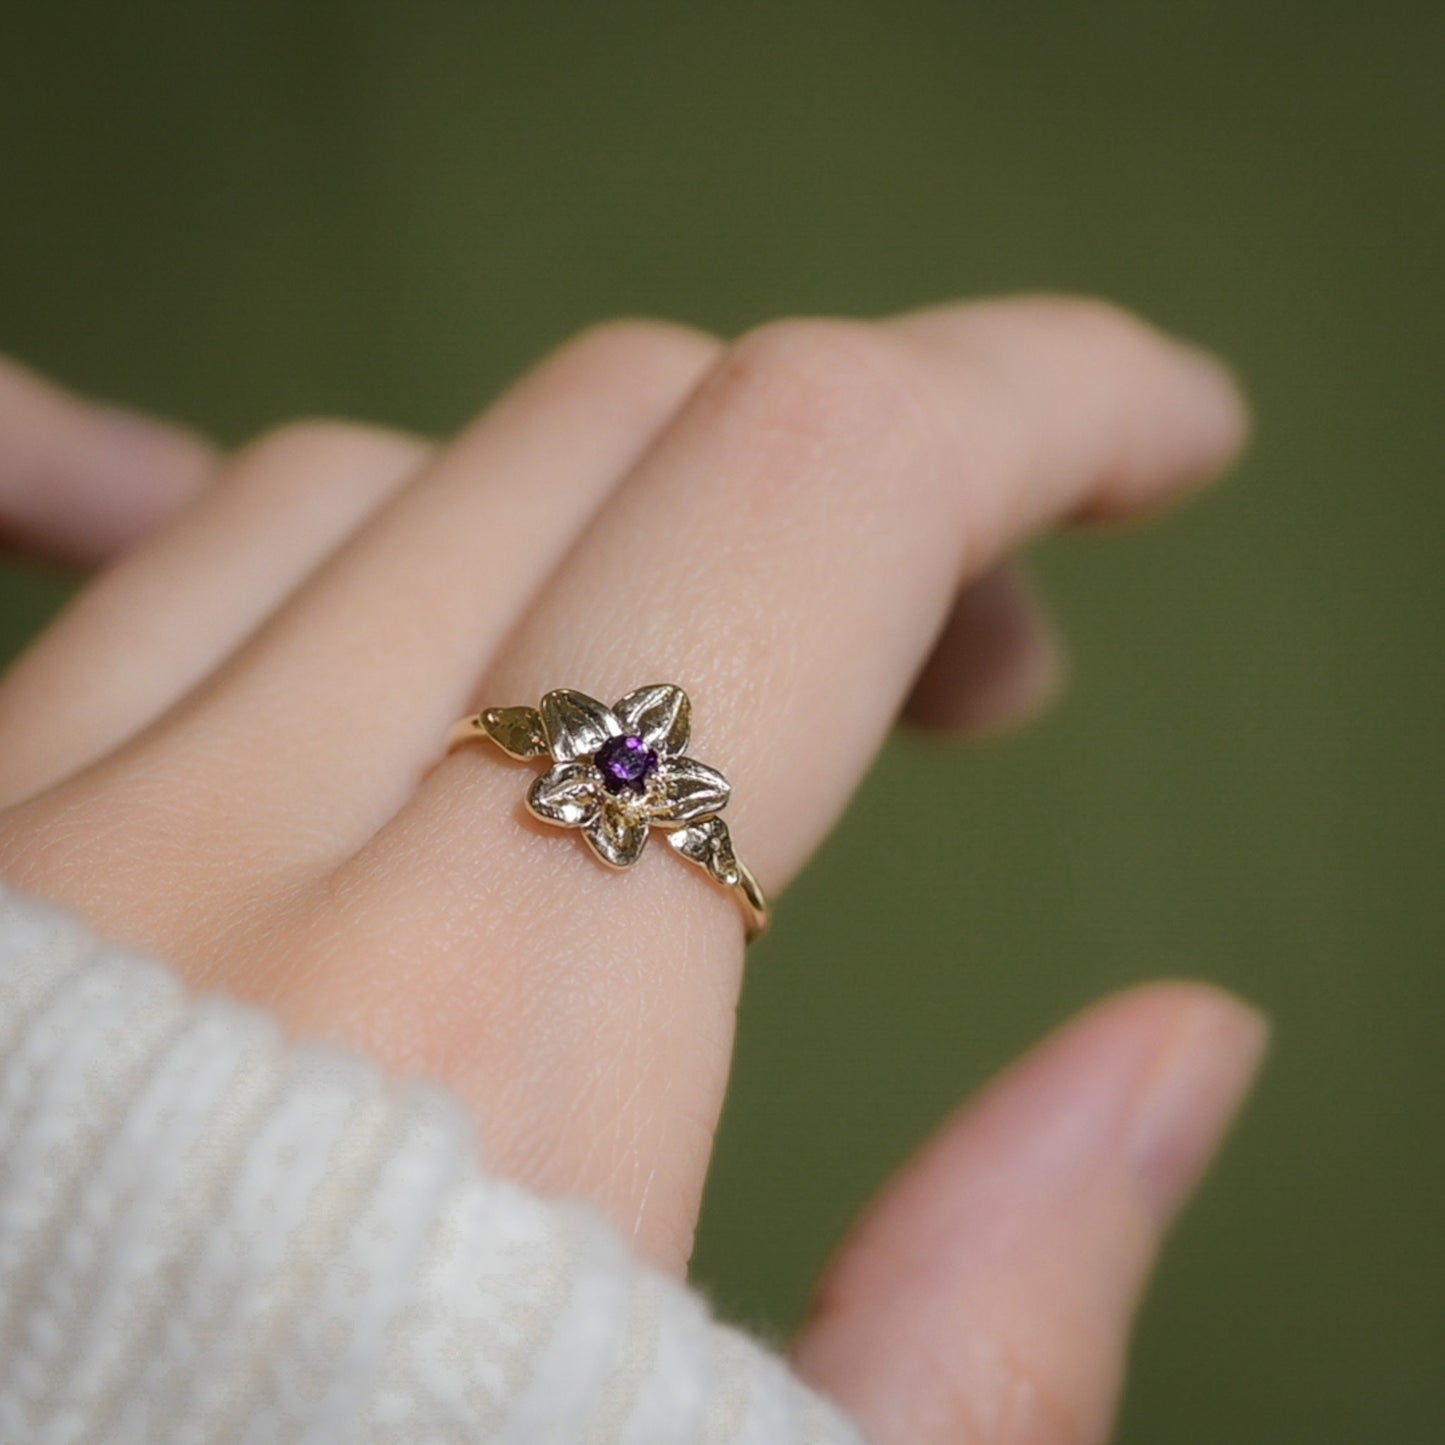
x=987 y=1295
x=80 y=482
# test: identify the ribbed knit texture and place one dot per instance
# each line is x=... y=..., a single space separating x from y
x=208 y=1233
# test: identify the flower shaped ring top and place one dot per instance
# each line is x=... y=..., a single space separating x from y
x=618 y=772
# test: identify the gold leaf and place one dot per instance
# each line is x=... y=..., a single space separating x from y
x=517 y=731
x=566 y=794
x=616 y=835
x=708 y=844
x=659 y=714
x=576 y=725
x=690 y=791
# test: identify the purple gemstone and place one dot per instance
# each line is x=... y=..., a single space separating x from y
x=624 y=762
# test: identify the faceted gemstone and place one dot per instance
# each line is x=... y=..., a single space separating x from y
x=624 y=763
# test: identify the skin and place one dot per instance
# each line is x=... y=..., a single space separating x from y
x=226 y=752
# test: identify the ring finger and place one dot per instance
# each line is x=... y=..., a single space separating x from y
x=786 y=552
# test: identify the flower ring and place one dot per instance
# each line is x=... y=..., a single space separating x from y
x=617 y=772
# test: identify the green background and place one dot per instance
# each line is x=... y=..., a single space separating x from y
x=241 y=213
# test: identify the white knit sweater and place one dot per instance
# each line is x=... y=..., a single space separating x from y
x=209 y=1233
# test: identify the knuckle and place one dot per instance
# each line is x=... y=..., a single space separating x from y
x=828 y=387
x=644 y=356
x=1103 y=327
x=325 y=448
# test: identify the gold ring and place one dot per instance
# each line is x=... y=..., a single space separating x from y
x=617 y=772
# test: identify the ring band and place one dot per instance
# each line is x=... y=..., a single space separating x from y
x=618 y=772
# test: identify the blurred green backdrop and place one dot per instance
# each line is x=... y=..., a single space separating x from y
x=237 y=213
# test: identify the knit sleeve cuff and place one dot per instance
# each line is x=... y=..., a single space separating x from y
x=208 y=1231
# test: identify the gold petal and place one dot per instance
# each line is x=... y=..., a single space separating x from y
x=690 y=789
x=660 y=714
x=566 y=794
x=576 y=725
x=708 y=844
x=616 y=835
x=516 y=730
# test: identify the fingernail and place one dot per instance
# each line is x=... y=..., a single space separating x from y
x=1193 y=1090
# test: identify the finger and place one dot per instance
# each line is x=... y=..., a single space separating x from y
x=316 y=730
x=987 y=1295
x=388 y=631
x=166 y=614
x=787 y=553
x=812 y=515
x=996 y=663
x=80 y=482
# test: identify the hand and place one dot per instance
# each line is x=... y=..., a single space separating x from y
x=226 y=752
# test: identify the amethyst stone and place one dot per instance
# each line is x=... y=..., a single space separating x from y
x=624 y=762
